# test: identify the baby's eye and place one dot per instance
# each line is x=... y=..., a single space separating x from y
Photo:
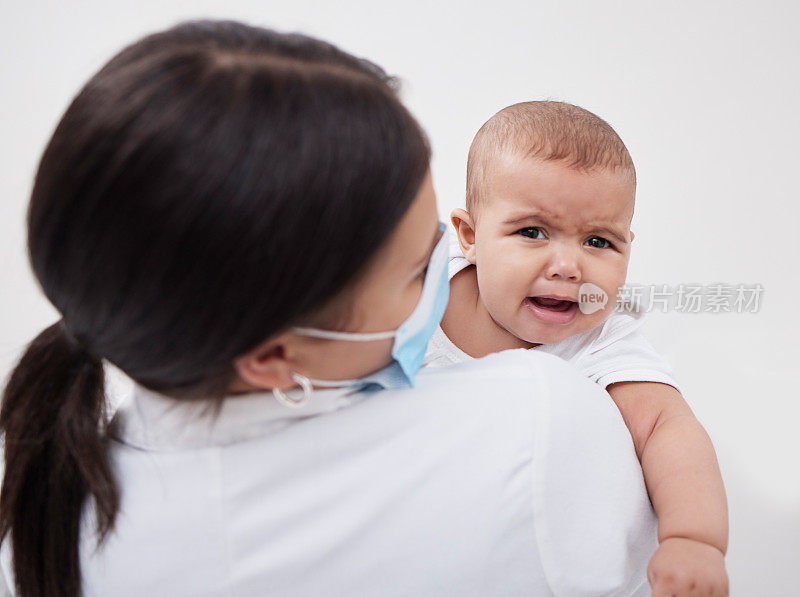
x=598 y=242
x=532 y=232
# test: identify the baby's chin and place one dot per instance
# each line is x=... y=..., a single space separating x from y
x=553 y=334
x=545 y=338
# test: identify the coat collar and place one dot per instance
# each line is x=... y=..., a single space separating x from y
x=150 y=420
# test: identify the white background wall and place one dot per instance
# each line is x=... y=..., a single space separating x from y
x=705 y=94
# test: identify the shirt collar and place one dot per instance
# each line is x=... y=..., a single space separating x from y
x=149 y=420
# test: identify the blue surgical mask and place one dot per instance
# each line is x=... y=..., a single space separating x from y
x=412 y=337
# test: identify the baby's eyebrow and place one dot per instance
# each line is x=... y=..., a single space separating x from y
x=610 y=232
x=537 y=216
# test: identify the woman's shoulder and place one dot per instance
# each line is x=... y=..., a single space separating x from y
x=514 y=363
x=544 y=386
x=526 y=377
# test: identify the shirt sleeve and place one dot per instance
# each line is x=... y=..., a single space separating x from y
x=629 y=357
x=595 y=526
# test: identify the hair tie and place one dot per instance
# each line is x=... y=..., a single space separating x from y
x=74 y=343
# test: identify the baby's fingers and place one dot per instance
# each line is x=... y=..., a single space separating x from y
x=682 y=567
x=681 y=584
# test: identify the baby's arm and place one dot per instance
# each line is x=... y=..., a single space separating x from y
x=685 y=486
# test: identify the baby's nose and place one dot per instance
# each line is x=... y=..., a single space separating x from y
x=563 y=265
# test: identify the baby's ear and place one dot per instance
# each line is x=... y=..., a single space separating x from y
x=465 y=231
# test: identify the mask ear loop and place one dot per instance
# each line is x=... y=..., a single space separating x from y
x=291 y=403
x=332 y=335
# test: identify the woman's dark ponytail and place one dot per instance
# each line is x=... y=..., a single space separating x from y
x=52 y=419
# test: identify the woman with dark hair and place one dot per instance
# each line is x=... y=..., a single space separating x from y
x=244 y=223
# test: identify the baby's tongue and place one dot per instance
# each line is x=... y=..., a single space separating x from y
x=548 y=302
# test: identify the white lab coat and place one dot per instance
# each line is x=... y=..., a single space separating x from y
x=508 y=475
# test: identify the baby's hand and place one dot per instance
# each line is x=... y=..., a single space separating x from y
x=686 y=567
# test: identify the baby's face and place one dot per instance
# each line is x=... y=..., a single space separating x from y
x=544 y=229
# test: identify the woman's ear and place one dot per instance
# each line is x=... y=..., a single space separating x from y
x=264 y=367
x=632 y=235
x=465 y=230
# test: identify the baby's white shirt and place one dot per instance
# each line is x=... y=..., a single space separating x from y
x=613 y=352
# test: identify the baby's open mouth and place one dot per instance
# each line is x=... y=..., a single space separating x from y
x=552 y=304
x=551 y=310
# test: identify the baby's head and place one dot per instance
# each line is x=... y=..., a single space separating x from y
x=550 y=194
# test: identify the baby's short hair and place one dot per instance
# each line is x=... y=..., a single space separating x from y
x=548 y=131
